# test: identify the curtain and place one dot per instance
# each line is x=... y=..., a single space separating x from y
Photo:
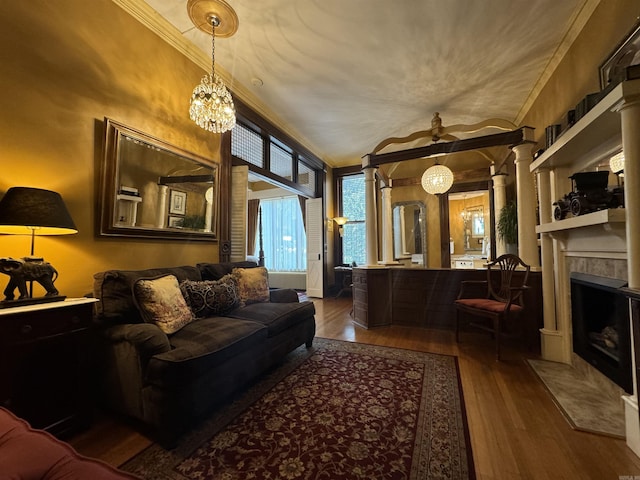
x=252 y=225
x=285 y=242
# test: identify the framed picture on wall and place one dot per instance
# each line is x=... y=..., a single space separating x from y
x=178 y=202
x=175 y=222
x=627 y=53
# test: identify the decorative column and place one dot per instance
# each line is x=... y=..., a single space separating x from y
x=371 y=224
x=630 y=116
x=551 y=338
x=499 y=201
x=629 y=110
x=525 y=190
x=161 y=215
x=387 y=225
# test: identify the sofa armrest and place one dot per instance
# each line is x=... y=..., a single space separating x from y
x=147 y=339
x=283 y=295
x=126 y=352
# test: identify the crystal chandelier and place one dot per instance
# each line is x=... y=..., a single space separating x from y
x=211 y=105
x=437 y=179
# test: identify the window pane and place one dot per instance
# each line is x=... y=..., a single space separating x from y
x=306 y=176
x=353 y=206
x=354 y=244
x=247 y=145
x=281 y=162
x=284 y=239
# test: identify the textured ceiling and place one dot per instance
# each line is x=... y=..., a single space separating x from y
x=342 y=75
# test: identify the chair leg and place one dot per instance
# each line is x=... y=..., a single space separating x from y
x=497 y=324
x=458 y=326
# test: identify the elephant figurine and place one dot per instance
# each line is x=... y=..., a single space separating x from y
x=27 y=269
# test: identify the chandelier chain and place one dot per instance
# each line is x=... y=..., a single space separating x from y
x=214 y=23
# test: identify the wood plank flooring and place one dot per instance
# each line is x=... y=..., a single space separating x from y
x=516 y=430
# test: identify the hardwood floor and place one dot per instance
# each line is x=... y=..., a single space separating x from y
x=516 y=430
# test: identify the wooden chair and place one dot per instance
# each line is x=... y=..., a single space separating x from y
x=503 y=299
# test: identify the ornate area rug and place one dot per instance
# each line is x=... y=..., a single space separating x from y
x=340 y=410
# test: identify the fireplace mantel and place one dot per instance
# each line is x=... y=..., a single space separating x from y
x=609 y=219
x=605 y=243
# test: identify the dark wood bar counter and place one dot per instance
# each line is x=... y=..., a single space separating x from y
x=423 y=297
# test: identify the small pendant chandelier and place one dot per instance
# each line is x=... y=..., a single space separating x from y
x=437 y=179
x=211 y=105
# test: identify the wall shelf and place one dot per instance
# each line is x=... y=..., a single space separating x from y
x=597 y=128
x=601 y=217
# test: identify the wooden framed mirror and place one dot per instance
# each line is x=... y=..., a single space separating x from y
x=150 y=188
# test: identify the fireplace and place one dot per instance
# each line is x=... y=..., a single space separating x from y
x=601 y=333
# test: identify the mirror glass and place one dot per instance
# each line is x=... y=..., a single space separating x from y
x=153 y=189
x=469 y=216
x=409 y=233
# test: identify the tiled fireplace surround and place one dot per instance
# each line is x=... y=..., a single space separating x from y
x=596 y=250
x=603 y=267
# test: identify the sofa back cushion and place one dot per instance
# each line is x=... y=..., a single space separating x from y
x=211 y=297
x=253 y=285
x=215 y=271
x=161 y=302
x=114 y=289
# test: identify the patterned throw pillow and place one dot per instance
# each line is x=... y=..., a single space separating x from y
x=160 y=301
x=211 y=297
x=253 y=285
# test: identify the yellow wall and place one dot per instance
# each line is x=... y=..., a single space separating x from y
x=577 y=74
x=66 y=65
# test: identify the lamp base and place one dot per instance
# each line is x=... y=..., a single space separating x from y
x=31 y=301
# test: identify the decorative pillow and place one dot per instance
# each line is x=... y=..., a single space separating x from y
x=253 y=285
x=211 y=297
x=160 y=301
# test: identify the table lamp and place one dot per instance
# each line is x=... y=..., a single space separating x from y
x=33 y=211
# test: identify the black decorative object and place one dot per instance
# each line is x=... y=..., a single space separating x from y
x=586 y=104
x=552 y=132
x=590 y=193
x=28 y=269
x=32 y=211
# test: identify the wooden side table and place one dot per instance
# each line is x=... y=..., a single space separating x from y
x=44 y=363
x=343 y=278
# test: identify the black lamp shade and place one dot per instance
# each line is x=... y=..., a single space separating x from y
x=29 y=211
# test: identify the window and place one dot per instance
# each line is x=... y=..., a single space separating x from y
x=281 y=162
x=247 y=145
x=278 y=159
x=306 y=175
x=283 y=236
x=353 y=207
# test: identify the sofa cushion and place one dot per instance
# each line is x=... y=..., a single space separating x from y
x=114 y=289
x=277 y=317
x=211 y=297
x=215 y=271
x=253 y=285
x=161 y=302
x=203 y=345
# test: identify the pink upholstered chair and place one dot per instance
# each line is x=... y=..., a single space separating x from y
x=30 y=454
x=502 y=301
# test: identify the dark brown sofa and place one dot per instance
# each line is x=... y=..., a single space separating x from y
x=169 y=382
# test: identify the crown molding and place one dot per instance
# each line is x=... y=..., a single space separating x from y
x=155 y=22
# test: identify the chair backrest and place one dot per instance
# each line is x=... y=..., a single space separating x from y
x=506 y=264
